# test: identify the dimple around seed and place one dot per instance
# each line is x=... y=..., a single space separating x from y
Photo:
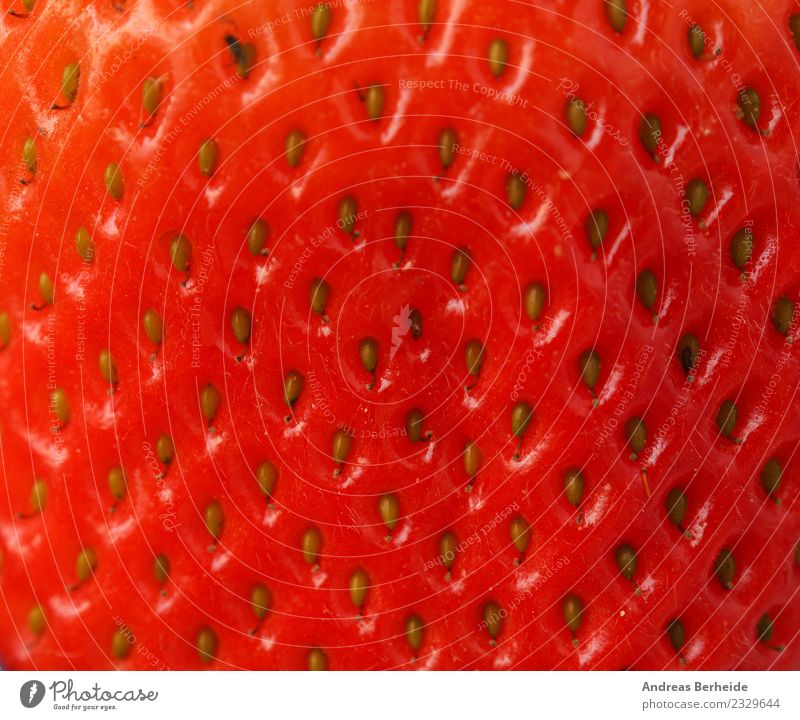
x=626 y=561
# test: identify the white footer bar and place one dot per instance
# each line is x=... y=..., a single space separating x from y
x=401 y=696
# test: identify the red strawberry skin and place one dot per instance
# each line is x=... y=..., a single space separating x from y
x=233 y=74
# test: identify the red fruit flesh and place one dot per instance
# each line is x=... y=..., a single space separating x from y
x=514 y=123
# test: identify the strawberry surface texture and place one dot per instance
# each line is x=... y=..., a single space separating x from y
x=433 y=334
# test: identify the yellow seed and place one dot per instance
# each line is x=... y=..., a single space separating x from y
x=116 y=483
x=415 y=317
x=86 y=564
x=414 y=420
x=180 y=251
x=293 y=385
x=245 y=59
x=152 y=92
x=70 y=79
x=626 y=561
x=647 y=288
x=266 y=477
x=348 y=208
x=207 y=157
x=794 y=28
x=426 y=12
x=374 y=98
x=492 y=616
x=257 y=235
x=697 y=42
x=210 y=400
x=165 y=450
x=295 y=147
x=650 y=133
x=38 y=497
x=29 y=155
x=676 y=634
x=448 y=547
x=771 y=476
x=414 y=632
x=153 y=326
x=241 y=323
x=688 y=353
x=5 y=330
x=317 y=660
x=589 y=364
x=161 y=568
x=260 y=600
x=37 y=622
x=572 y=608
x=108 y=368
x=320 y=290
x=596 y=227
x=472 y=459
x=749 y=102
x=59 y=404
x=359 y=584
x=448 y=139
x=498 y=56
x=515 y=191
x=617 y=14
x=520 y=533
x=320 y=20
x=368 y=352
x=206 y=644
x=120 y=643
x=46 y=289
x=84 y=244
x=311 y=544
x=696 y=196
x=725 y=568
x=214 y=519
x=575 y=114
x=573 y=486
x=742 y=247
x=402 y=229
x=636 y=434
x=521 y=415
x=765 y=629
x=677 y=505
x=534 y=299
x=114 y=182
x=727 y=416
x=459 y=265
x=389 y=509
x=341 y=445
x=783 y=315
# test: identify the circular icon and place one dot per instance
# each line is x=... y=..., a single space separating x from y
x=31 y=693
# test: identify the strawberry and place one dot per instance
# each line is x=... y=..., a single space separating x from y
x=399 y=335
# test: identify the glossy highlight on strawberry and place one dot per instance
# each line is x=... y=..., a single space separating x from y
x=399 y=335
